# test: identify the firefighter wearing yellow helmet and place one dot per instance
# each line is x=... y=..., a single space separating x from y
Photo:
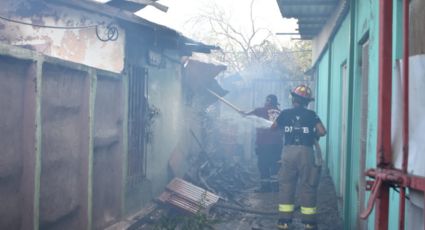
x=302 y=127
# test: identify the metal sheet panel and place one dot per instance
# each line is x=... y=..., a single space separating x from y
x=187 y=196
x=126 y=5
x=312 y=15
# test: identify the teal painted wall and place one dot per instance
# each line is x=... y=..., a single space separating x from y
x=373 y=93
x=339 y=58
x=322 y=95
x=330 y=99
x=363 y=18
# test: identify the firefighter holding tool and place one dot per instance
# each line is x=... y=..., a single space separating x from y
x=302 y=128
x=268 y=145
x=268 y=142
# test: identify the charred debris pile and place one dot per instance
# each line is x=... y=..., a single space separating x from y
x=216 y=189
x=218 y=192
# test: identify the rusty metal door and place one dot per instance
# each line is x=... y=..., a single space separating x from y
x=136 y=168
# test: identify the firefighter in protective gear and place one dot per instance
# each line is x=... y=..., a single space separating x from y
x=268 y=145
x=302 y=127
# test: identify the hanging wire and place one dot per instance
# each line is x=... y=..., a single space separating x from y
x=47 y=26
x=109 y=34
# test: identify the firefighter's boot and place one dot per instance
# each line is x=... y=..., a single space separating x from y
x=283 y=224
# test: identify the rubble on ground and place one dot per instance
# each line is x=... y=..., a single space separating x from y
x=239 y=206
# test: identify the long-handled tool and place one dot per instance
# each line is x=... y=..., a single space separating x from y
x=258 y=121
x=225 y=101
x=318 y=160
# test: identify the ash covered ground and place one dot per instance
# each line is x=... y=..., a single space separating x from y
x=241 y=207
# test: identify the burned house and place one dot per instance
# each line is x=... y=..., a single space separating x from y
x=96 y=112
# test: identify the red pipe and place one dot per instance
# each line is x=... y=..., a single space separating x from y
x=406 y=85
x=385 y=83
x=384 y=108
x=405 y=110
x=389 y=175
x=372 y=199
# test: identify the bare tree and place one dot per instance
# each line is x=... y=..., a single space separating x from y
x=237 y=46
x=241 y=50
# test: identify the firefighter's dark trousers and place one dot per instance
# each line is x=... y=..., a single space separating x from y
x=268 y=165
x=298 y=166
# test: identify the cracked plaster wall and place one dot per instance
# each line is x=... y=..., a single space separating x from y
x=76 y=45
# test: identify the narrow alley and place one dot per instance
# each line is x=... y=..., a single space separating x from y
x=242 y=208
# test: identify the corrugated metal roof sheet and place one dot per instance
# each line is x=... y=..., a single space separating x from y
x=126 y=5
x=136 y=5
x=312 y=15
x=200 y=71
x=187 y=196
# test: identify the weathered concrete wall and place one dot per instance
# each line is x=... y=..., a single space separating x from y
x=70 y=151
x=14 y=141
x=64 y=164
x=170 y=128
x=76 y=45
x=77 y=120
x=108 y=152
